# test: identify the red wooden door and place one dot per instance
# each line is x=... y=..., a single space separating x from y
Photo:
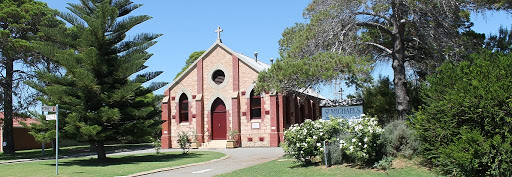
x=219 y=128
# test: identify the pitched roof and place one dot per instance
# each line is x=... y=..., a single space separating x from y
x=257 y=66
x=254 y=64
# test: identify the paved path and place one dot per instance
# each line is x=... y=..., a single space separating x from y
x=239 y=158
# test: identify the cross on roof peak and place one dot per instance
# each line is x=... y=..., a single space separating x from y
x=218 y=33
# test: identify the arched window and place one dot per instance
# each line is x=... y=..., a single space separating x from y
x=255 y=106
x=183 y=108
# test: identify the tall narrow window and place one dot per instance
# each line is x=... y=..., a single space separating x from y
x=255 y=106
x=183 y=108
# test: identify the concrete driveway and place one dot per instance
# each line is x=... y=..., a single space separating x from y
x=239 y=158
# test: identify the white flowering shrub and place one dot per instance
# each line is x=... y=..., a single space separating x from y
x=363 y=143
x=304 y=141
x=359 y=140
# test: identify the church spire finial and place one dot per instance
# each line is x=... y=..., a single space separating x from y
x=218 y=33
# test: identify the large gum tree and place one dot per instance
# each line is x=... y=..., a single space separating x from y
x=344 y=38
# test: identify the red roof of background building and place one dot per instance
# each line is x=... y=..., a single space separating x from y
x=17 y=120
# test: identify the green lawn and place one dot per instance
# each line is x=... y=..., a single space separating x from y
x=115 y=166
x=287 y=167
x=72 y=150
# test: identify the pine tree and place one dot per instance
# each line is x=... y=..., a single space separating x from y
x=20 y=25
x=100 y=94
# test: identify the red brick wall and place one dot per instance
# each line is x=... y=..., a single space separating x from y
x=23 y=140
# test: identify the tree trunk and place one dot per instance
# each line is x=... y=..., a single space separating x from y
x=100 y=151
x=54 y=147
x=398 y=65
x=8 y=132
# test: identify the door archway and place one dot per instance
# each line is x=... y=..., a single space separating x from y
x=219 y=120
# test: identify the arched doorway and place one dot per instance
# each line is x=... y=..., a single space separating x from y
x=219 y=123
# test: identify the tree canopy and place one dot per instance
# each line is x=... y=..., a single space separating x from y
x=21 y=22
x=100 y=90
x=379 y=99
x=191 y=58
x=415 y=34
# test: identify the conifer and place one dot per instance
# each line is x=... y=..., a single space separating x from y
x=99 y=91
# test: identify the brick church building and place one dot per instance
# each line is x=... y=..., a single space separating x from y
x=215 y=95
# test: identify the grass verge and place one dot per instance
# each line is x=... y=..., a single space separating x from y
x=288 y=167
x=115 y=166
x=71 y=151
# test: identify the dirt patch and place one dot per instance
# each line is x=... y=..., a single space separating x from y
x=401 y=163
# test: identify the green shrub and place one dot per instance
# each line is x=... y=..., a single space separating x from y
x=470 y=156
x=474 y=96
x=400 y=140
x=184 y=141
x=384 y=164
x=304 y=141
x=157 y=145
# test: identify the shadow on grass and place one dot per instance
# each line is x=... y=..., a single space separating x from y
x=72 y=151
x=133 y=159
x=304 y=165
x=316 y=164
x=359 y=166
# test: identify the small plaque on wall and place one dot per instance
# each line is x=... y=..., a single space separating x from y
x=255 y=125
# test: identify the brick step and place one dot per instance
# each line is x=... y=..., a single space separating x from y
x=214 y=144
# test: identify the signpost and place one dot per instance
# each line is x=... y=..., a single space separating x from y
x=56 y=118
x=49 y=108
x=51 y=117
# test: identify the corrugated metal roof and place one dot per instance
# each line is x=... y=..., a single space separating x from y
x=258 y=65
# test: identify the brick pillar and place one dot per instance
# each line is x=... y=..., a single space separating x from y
x=209 y=117
x=281 y=117
x=166 y=126
x=235 y=116
x=274 y=122
x=199 y=103
x=296 y=110
x=307 y=105
x=235 y=102
x=199 y=120
x=263 y=115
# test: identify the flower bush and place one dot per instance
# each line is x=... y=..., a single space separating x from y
x=359 y=139
x=363 y=143
x=304 y=141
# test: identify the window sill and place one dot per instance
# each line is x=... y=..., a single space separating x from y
x=256 y=120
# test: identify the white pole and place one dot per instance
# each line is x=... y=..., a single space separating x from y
x=57 y=140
